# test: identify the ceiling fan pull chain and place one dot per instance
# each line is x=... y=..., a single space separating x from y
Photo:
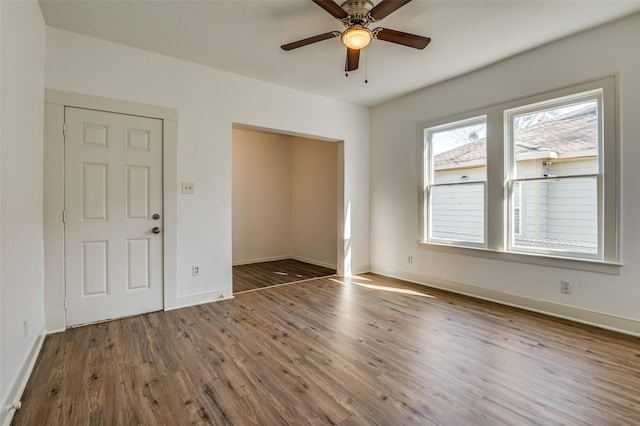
x=366 y=67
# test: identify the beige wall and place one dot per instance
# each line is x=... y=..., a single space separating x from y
x=284 y=198
x=314 y=201
x=261 y=181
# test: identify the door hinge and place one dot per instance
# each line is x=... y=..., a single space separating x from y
x=64 y=129
x=64 y=216
x=65 y=303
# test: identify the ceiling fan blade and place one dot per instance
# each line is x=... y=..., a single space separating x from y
x=386 y=7
x=331 y=7
x=353 y=58
x=310 y=40
x=398 y=37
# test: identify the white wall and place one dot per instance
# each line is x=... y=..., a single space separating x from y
x=261 y=196
x=284 y=198
x=22 y=258
x=610 y=49
x=208 y=102
x=313 y=199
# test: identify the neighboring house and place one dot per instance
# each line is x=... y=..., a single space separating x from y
x=547 y=213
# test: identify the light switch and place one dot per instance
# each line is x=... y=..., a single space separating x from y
x=187 y=187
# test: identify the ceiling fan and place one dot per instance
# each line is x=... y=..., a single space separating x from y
x=356 y=15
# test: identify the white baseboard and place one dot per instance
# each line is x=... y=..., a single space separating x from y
x=314 y=262
x=260 y=260
x=199 y=299
x=289 y=256
x=20 y=381
x=597 y=319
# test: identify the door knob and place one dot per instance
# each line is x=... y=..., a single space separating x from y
x=156 y=230
x=156 y=216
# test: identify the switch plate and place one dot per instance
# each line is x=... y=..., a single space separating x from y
x=187 y=188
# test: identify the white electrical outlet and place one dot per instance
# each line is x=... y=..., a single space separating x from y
x=410 y=259
x=187 y=188
x=195 y=269
x=566 y=287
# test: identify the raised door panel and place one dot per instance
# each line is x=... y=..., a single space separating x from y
x=95 y=267
x=137 y=187
x=94 y=190
x=137 y=267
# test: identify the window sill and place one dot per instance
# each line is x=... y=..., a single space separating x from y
x=533 y=259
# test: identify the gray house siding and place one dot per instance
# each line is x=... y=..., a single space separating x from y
x=554 y=214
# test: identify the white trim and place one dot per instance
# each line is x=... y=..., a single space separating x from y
x=199 y=299
x=16 y=388
x=109 y=104
x=580 y=264
x=584 y=316
x=170 y=211
x=285 y=257
x=53 y=189
x=55 y=102
x=314 y=262
x=261 y=259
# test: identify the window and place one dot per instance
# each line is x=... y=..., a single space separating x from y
x=456 y=173
x=555 y=173
x=527 y=180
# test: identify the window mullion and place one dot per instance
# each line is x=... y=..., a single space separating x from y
x=496 y=205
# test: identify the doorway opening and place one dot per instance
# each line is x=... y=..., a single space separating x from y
x=286 y=206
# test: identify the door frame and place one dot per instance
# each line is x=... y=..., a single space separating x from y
x=54 y=275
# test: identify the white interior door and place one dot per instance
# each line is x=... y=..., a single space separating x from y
x=113 y=202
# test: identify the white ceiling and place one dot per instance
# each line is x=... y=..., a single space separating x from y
x=244 y=37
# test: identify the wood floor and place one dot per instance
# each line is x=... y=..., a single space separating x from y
x=365 y=350
x=265 y=274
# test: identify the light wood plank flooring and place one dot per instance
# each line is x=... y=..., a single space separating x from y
x=265 y=274
x=366 y=350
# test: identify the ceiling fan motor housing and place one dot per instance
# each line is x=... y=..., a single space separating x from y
x=358 y=11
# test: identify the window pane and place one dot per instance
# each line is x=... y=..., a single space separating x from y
x=457 y=213
x=517 y=209
x=459 y=154
x=560 y=141
x=558 y=214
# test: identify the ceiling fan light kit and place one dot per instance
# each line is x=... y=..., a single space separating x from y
x=356 y=15
x=356 y=37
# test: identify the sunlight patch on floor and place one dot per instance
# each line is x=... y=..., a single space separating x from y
x=382 y=287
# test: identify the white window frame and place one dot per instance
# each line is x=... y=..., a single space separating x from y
x=429 y=184
x=497 y=208
x=591 y=95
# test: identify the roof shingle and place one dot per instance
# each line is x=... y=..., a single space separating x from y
x=572 y=131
